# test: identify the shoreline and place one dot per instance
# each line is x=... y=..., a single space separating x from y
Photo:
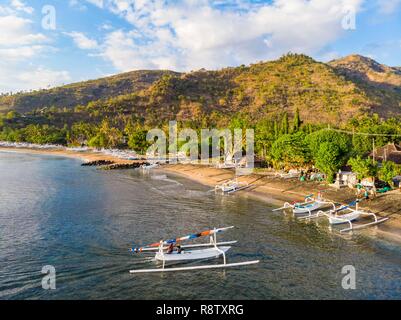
x=275 y=191
x=264 y=186
x=85 y=156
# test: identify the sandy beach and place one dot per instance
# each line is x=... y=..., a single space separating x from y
x=264 y=186
x=86 y=156
x=271 y=189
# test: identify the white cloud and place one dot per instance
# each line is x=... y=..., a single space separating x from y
x=14 y=78
x=21 y=6
x=330 y=55
x=82 y=41
x=189 y=34
x=16 y=31
x=98 y=3
x=19 y=46
x=388 y=6
x=77 y=5
x=20 y=53
x=41 y=77
x=4 y=10
x=106 y=26
x=120 y=49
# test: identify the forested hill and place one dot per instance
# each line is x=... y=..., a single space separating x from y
x=81 y=93
x=381 y=83
x=323 y=93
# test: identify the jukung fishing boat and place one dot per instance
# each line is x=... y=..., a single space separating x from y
x=309 y=205
x=213 y=249
x=149 y=166
x=346 y=215
x=231 y=186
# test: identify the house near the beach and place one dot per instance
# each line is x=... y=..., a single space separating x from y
x=345 y=178
x=390 y=152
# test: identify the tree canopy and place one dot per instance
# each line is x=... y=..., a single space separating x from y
x=291 y=150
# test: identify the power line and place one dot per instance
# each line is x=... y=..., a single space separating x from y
x=364 y=133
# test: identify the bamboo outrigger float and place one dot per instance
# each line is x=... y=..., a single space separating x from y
x=309 y=205
x=346 y=215
x=213 y=249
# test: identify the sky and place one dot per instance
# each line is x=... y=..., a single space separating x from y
x=45 y=43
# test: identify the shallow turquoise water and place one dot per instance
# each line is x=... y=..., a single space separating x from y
x=82 y=221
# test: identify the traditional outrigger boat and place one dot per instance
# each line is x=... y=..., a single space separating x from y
x=346 y=215
x=149 y=166
x=213 y=249
x=231 y=186
x=309 y=205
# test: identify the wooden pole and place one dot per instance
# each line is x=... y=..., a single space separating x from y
x=374 y=152
x=353 y=135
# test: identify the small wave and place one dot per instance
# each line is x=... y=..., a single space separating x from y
x=159 y=177
x=197 y=193
x=164 y=178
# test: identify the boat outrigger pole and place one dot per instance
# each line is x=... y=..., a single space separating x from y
x=212 y=266
x=156 y=245
x=215 y=251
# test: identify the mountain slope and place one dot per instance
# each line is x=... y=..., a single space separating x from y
x=266 y=89
x=83 y=92
x=323 y=93
x=368 y=70
x=381 y=83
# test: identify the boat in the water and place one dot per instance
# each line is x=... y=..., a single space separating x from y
x=309 y=205
x=213 y=249
x=231 y=186
x=343 y=218
x=149 y=166
x=346 y=215
x=192 y=254
x=350 y=216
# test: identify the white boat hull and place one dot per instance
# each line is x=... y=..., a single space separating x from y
x=191 y=246
x=190 y=255
x=345 y=218
x=307 y=208
x=232 y=186
x=149 y=167
x=186 y=255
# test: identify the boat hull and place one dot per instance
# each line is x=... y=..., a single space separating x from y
x=229 y=188
x=308 y=208
x=192 y=254
x=345 y=218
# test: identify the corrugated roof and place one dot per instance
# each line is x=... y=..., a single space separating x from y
x=390 y=152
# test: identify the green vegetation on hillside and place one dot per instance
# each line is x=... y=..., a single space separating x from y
x=288 y=102
x=320 y=92
x=72 y=95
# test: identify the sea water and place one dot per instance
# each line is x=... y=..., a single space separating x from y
x=82 y=221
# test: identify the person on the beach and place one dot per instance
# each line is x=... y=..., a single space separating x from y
x=366 y=194
x=358 y=190
x=374 y=192
x=170 y=248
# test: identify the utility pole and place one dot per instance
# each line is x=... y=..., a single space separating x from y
x=353 y=135
x=374 y=150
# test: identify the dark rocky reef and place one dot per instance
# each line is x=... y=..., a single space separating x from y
x=97 y=163
x=120 y=166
